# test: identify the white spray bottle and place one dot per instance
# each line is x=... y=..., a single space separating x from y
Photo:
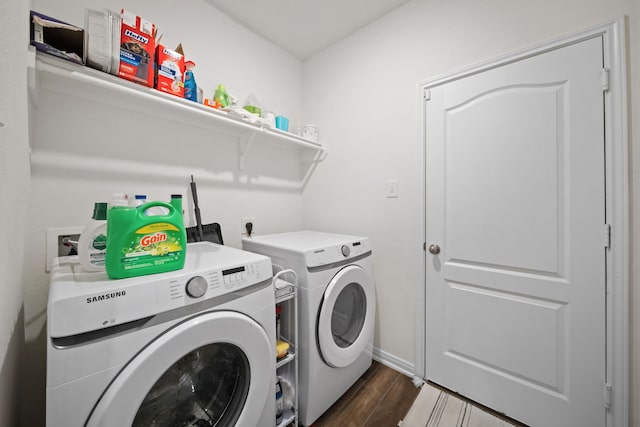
x=92 y=245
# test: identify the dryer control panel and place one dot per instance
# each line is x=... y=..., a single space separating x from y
x=82 y=302
x=336 y=253
x=317 y=248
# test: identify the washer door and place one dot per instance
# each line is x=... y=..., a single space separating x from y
x=212 y=369
x=345 y=324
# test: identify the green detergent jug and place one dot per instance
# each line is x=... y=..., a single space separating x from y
x=141 y=243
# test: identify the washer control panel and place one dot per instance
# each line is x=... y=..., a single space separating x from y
x=212 y=283
x=196 y=287
x=345 y=250
x=234 y=276
x=80 y=302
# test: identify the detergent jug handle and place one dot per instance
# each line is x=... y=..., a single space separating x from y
x=165 y=209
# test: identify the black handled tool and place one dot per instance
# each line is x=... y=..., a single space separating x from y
x=196 y=210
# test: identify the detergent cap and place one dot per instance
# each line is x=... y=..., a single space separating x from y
x=119 y=199
x=99 y=211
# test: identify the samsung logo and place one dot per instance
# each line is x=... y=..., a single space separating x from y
x=105 y=297
x=319 y=251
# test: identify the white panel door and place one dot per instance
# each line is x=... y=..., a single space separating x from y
x=515 y=309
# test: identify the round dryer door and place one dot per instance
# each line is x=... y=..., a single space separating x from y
x=345 y=324
x=209 y=370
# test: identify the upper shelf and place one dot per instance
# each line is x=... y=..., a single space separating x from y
x=68 y=78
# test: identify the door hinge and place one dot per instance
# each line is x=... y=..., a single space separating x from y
x=424 y=246
x=426 y=94
x=606 y=395
x=604 y=79
x=607 y=235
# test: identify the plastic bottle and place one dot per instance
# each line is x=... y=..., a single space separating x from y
x=176 y=202
x=139 y=199
x=278 y=312
x=190 y=86
x=92 y=245
x=279 y=402
x=118 y=199
x=140 y=244
x=221 y=96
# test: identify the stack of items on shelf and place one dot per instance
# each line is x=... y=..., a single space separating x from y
x=128 y=46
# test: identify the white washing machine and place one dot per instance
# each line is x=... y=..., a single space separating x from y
x=337 y=309
x=193 y=347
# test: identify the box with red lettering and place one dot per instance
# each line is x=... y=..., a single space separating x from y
x=137 y=48
x=170 y=66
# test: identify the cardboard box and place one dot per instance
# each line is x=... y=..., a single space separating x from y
x=170 y=71
x=56 y=37
x=137 y=48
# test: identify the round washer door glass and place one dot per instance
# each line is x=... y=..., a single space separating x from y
x=206 y=387
x=345 y=324
x=208 y=370
x=349 y=312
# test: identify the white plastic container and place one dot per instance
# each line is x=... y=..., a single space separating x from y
x=102 y=40
x=92 y=245
x=279 y=402
x=118 y=199
x=138 y=200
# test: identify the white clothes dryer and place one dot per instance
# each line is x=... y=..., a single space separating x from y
x=193 y=347
x=336 y=310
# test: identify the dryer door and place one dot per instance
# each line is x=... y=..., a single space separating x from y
x=213 y=369
x=345 y=324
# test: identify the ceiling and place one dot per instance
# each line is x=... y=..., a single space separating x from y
x=305 y=27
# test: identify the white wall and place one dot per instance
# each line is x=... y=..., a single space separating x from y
x=143 y=154
x=14 y=187
x=362 y=92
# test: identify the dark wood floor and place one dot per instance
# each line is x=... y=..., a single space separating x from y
x=380 y=398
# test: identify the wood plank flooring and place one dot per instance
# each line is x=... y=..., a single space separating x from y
x=380 y=398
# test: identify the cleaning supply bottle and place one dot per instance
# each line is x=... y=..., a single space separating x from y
x=139 y=199
x=176 y=202
x=118 y=199
x=278 y=315
x=92 y=245
x=139 y=244
x=221 y=96
x=279 y=402
x=190 y=86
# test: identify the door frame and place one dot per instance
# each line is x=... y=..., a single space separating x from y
x=617 y=204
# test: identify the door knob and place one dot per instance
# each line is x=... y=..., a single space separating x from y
x=434 y=249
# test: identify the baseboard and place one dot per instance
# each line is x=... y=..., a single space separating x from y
x=394 y=362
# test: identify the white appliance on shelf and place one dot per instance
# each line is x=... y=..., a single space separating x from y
x=190 y=347
x=336 y=310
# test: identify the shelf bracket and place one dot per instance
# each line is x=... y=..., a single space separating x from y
x=320 y=156
x=245 y=144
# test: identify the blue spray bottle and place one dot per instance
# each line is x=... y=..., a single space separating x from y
x=190 y=86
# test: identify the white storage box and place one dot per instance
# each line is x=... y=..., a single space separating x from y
x=102 y=40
